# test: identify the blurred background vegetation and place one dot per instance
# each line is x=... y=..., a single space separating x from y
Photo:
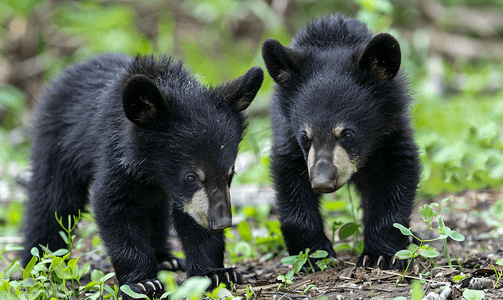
x=452 y=51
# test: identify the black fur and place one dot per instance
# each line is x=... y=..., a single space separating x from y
x=131 y=129
x=334 y=73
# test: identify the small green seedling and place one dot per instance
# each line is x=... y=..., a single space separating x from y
x=499 y=262
x=285 y=279
x=249 y=292
x=428 y=214
x=347 y=229
x=307 y=288
x=67 y=234
x=298 y=261
x=458 y=278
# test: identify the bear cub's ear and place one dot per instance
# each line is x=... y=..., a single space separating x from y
x=142 y=100
x=280 y=61
x=381 y=56
x=240 y=92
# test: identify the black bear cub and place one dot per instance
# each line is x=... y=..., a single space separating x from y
x=340 y=115
x=150 y=145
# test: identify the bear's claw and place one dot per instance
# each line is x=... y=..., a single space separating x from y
x=173 y=264
x=225 y=275
x=150 y=287
x=384 y=262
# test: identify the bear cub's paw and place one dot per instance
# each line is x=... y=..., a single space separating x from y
x=172 y=264
x=225 y=275
x=383 y=262
x=151 y=287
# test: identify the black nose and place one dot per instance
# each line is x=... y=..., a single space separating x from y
x=323 y=176
x=220 y=217
x=322 y=184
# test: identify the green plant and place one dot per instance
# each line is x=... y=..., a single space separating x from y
x=67 y=234
x=249 y=292
x=245 y=244
x=458 y=278
x=499 y=262
x=348 y=224
x=285 y=279
x=308 y=287
x=473 y=294
x=54 y=275
x=428 y=213
x=298 y=261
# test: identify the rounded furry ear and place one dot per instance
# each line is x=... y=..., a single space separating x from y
x=142 y=100
x=382 y=56
x=240 y=92
x=280 y=61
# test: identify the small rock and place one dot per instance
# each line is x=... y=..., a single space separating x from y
x=446 y=292
x=432 y=296
x=480 y=283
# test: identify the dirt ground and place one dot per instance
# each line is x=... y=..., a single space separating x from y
x=477 y=255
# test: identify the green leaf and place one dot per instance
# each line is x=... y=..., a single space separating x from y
x=289 y=275
x=97 y=275
x=404 y=254
x=473 y=294
x=127 y=290
x=348 y=229
x=29 y=267
x=192 y=288
x=35 y=252
x=60 y=252
x=456 y=236
x=245 y=231
x=289 y=260
x=64 y=236
x=73 y=262
x=108 y=276
x=109 y=290
x=427 y=212
x=307 y=288
x=319 y=254
x=441 y=225
x=428 y=253
x=90 y=285
x=403 y=229
x=299 y=263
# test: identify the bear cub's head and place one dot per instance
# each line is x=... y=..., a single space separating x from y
x=338 y=102
x=184 y=136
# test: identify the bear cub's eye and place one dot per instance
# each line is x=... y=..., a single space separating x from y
x=190 y=178
x=305 y=142
x=348 y=136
